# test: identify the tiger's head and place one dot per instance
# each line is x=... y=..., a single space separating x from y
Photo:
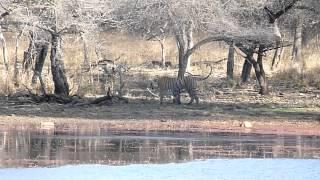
x=153 y=83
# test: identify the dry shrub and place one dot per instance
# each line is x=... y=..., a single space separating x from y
x=298 y=74
x=312 y=77
x=290 y=78
x=6 y=85
x=295 y=78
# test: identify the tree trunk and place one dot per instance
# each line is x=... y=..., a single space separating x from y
x=183 y=63
x=163 y=53
x=184 y=43
x=260 y=74
x=28 y=55
x=278 y=51
x=86 y=62
x=275 y=56
x=16 y=70
x=297 y=43
x=4 y=51
x=61 y=86
x=190 y=43
x=121 y=83
x=246 y=70
x=42 y=51
x=230 y=63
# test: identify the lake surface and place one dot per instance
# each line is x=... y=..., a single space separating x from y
x=95 y=153
x=220 y=169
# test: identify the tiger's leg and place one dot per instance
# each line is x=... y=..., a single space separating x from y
x=178 y=88
x=178 y=101
x=193 y=95
x=197 y=99
x=161 y=97
x=176 y=98
x=191 y=100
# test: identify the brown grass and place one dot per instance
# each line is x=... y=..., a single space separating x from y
x=134 y=51
x=299 y=74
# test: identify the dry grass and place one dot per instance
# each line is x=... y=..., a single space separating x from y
x=134 y=51
x=295 y=78
x=299 y=74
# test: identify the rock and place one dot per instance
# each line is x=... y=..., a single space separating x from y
x=47 y=125
x=246 y=124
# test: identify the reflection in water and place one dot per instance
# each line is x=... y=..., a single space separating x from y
x=31 y=148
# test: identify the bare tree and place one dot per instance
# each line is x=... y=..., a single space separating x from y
x=48 y=22
x=230 y=63
x=305 y=21
x=180 y=19
x=253 y=28
x=3 y=40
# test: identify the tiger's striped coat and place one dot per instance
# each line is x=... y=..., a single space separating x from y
x=176 y=85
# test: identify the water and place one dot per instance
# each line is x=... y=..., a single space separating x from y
x=147 y=155
x=220 y=169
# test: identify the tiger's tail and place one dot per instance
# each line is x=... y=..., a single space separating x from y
x=204 y=78
x=152 y=93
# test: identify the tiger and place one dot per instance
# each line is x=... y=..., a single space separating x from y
x=175 y=85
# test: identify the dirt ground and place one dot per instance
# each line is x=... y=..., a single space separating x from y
x=222 y=108
x=288 y=113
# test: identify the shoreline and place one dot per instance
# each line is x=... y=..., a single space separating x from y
x=280 y=126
